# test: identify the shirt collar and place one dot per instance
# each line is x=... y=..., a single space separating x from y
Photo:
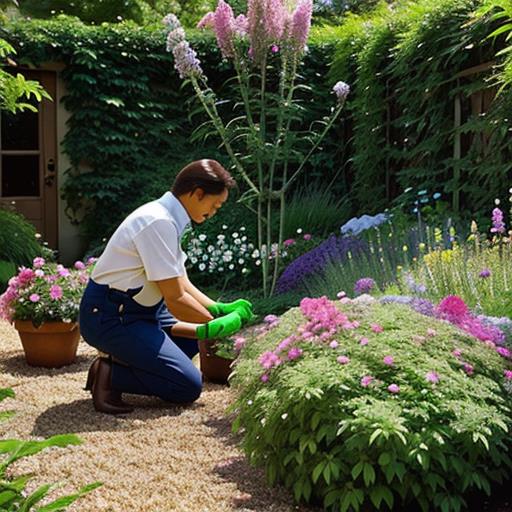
x=177 y=211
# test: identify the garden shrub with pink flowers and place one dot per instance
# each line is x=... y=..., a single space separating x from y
x=356 y=404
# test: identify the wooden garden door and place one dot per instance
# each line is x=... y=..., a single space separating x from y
x=28 y=160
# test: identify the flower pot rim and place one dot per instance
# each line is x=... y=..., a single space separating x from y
x=55 y=325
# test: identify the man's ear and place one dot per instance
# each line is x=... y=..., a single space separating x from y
x=199 y=193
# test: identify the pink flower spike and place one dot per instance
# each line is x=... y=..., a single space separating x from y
x=366 y=381
x=207 y=21
x=431 y=332
x=333 y=344
x=364 y=341
x=377 y=328
x=34 y=297
x=343 y=360
x=394 y=388
x=432 y=377
x=224 y=22
x=508 y=374
x=388 y=360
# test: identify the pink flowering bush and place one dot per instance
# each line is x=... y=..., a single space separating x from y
x=359 y=405
x=46 y=292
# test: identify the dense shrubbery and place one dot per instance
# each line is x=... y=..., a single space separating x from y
x=365 y=404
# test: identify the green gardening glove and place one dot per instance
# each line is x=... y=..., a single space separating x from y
x=220 y=327
x=241 y=306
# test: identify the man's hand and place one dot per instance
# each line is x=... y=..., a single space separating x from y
x=241 y=306
x=220 y=327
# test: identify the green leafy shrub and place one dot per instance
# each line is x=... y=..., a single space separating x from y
x=13 y=495
x=381 y=414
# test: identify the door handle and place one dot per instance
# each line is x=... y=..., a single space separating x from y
x=49 y=175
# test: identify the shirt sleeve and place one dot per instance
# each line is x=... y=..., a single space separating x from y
x=159 y=250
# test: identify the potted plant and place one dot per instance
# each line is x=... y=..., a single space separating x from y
x=217 y=357
x=43 y=303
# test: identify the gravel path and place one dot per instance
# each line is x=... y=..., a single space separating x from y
x=158 y=459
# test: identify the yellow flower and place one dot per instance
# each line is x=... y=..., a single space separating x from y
x=404 y=248
x=438 y=235
x=474 y=227
x=421 y=246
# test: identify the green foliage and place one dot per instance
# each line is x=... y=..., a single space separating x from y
x=316 y=429
x=18 y=242
x=132 y=121
x=13 y=495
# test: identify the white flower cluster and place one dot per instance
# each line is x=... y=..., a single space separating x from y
x=227 y=253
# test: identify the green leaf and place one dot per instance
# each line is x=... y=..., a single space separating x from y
x=374 y=436
x=384 y=458
x=368 y=474
x=356 y=470
x=317 y=471
x=64 y=502
x=35 y=497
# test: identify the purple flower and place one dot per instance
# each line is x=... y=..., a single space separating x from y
x=333 y=344
x=92 y=260
x=485 y=273
x=264 y=377
x=239 y=343
x=274 y=48
x=241 y=25
x=388 y=360
x=171 y=22
x=432 y=377
x=34 y=297
x=270 y=319
x=342 y=90
x=174 y=38
x=185 y=61
x=364 y=285
x=294 y=353
x=508 y=374
x=269 y=360
x=344 y=360
x=498 y=226
x=79 y=265
x=394 y=388
x=334 y=250
x=422 y=306
x=363 y=341
x=505 y=352
x=468 y=368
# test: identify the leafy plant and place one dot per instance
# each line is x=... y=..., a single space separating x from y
x=13 y=494
x=378 y=413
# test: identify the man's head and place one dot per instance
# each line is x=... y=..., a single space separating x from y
x=202 y=188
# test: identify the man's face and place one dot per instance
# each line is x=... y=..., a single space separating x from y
x=205 y=206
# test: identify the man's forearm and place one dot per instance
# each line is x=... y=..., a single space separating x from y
x=197 y=294
x=188 y=309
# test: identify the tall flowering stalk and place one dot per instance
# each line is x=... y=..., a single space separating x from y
x=271 y=29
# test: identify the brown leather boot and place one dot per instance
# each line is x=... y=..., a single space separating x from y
x=104 y=398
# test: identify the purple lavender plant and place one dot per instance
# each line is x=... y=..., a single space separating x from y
x=498 y=225
x=364 y=285
x=334 y=249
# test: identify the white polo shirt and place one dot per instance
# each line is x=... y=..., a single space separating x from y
x=145 y=248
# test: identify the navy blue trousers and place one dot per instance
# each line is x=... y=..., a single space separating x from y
x=113 y=322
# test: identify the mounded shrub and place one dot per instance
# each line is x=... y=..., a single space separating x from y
x=360 y=405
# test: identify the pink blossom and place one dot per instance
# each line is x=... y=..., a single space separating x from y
x=241 y=25
x=289 y=242
x=38 y=262
x=432 y=377
x=264 y=377
x=366 y=381
x=505 y=352
x=224 y=22
x=274 y=48
x=468 y=368
x=294 y=353
x=91 y=261
x=431 y=332
x=39 y=273
x=363 y=341
x=269 y=319
x=388 y=360
x=394 y=388
x=344 y=360
x=207 y=21
x=452 y=308
x=355 y=324
x=508 y=374
x=239 y=343
x=307 y=237
x=333 y=344
x=55 y=292
x=269 y=360
x=274 y=19
x=377 y=328
x=25 y=276
x=34 y=297
x=79 y=265
x=63 y=271
x=457 y=352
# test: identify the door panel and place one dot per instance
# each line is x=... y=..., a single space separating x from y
x=28 y=161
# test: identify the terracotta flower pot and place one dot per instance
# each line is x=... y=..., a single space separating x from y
x=52 y=345
x=214 y=368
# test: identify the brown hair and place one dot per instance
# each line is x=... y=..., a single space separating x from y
x=205 y=174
